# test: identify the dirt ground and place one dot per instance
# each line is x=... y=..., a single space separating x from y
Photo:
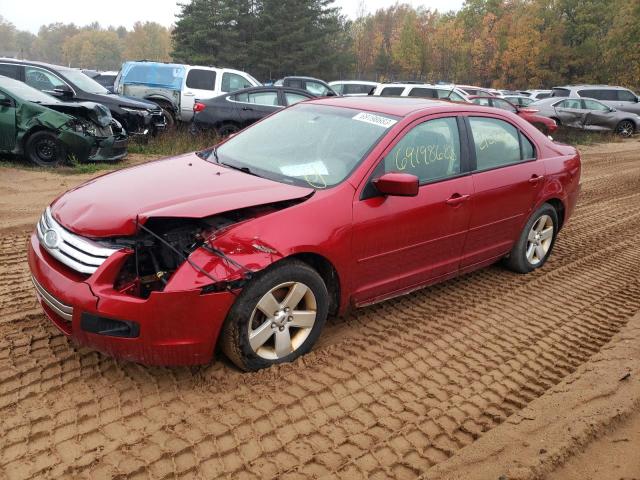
x=489 y=376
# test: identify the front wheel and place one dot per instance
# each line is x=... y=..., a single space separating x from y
x=277 y=318
x=536 y=241
x=625 y=128
x=44 y=149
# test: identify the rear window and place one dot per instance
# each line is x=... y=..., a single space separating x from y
x=424 y=92
x=558 y=92
x=391 y=91
x=201 y=79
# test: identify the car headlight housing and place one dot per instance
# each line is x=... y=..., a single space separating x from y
x=85 y=128
x=139 y=111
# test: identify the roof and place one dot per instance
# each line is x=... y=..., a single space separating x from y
x=30 y=62
x=591 y=85
x=354 y=82
x=396 y=106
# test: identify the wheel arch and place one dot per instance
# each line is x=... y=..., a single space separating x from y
x=559 y=207
x=329 y=275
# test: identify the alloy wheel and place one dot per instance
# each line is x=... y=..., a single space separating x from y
x=625 y=128
x=539 y=240
x=282 y=320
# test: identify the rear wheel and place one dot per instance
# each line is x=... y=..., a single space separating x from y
x=168 y=117
x=277 y=317
x=536 y=241
x=44 y=149
x=227 y=129
x=625 y=128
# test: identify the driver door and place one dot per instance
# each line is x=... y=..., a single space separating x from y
x=571 y=113
x=7 y=123
x=401 y=243
x=599 y=116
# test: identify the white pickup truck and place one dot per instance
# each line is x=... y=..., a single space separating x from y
x=175 y=87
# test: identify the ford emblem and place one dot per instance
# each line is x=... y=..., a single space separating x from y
x=51 y=239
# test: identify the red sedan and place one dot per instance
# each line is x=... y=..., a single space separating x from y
x=545 y=124
x=326 y=205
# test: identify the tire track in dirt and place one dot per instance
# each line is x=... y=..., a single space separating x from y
x=391 y=390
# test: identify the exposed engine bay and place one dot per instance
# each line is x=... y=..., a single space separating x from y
x=164 y=244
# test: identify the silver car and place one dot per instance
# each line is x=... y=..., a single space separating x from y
x=588 y=114
x=619 y=98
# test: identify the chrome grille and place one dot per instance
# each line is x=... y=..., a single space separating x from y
x=64 y=311
x=76 y=252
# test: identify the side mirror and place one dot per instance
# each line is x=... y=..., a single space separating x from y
x=63 y=91
x=397 y=184
x=331 y=93
x=5 y=102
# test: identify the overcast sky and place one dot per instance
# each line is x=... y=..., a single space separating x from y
x=30 y=14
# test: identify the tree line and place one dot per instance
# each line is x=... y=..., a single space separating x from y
x=492 y=43
x=91 y=46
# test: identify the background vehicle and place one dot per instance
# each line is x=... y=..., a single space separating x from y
x=48 y=131
x=353 y=88
x=519 y=100
x=138 y=118
x=423 y=90
x=330 y=204
x=477 y=91
x=229 y=113
x=545 y=124
x=317 y=87
x=174 y=87
x=539 y=94
x=619 y=98
x=588 y=114
x=106 y=79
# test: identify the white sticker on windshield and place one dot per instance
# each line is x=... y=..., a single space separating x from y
x=373 y=119
x=304 y=169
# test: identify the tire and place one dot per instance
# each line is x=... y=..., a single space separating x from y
x=44 y=149
x=168 y=117
x=531 y=251
x=253 y=339
x=557 y=120
x=625 y=128
x=227 y=129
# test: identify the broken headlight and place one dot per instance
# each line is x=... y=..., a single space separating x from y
x=84 y=128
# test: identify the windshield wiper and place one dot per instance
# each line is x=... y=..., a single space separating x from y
x=235 y=167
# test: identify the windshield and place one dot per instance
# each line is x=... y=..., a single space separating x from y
x=307 y=145
x=85 y=83
x=25 y=92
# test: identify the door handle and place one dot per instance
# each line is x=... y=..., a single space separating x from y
x=456 y=199
x=247 y=108
x=535 y=179
x=189 y=94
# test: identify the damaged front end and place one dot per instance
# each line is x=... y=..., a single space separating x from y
x=182 y=254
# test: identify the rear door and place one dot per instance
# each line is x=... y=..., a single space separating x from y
x=507 y=179
x=256 y=105
x=571 y=112
x=199 y=84
x=7 y=122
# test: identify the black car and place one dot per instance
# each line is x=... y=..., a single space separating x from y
x=315 y=86
x=138 y=117
x=229 y=113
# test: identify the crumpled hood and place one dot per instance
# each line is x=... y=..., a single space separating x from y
x=184 y=186
x=95 y=112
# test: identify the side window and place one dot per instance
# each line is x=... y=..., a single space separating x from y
x=294 y=97
x=392 y=91
x=451 y=95
x=547 y=95
x=241 y=97
x=316 y=88
x=339 y=87
x=264 y=98
x=481 y=101
x=574 y=104
x=528 y=150
x=498 y=143
x=201 y=79
x=431 y=151
x=295 y=83
x=623 y=95
x=593 y=105
x=504 y=105
x=423 y=92
x=232 y=82
x=41 y=79
x=9 y=70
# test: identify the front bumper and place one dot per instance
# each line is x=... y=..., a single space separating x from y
x=173 y=328
x=109 y=149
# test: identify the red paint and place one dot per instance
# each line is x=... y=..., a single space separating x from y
x=380 y=246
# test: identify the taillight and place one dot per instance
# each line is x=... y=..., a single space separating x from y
x=198 y=107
